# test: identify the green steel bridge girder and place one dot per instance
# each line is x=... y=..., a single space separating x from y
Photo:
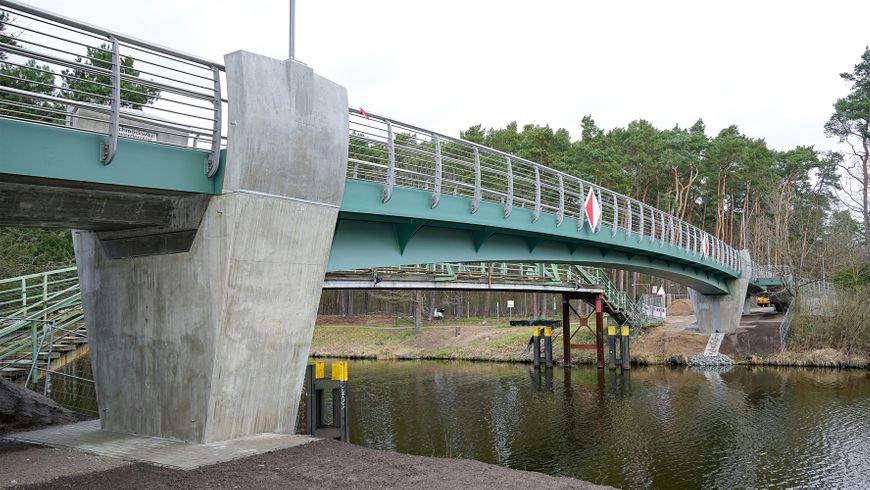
x=370 y=233
x=48 y=152
x=407 y=230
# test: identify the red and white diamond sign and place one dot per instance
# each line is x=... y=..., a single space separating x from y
x=593 y=210
x=705 y=246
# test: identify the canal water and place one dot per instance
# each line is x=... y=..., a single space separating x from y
x=656 y=427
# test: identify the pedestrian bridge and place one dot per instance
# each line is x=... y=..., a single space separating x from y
x=208 y=200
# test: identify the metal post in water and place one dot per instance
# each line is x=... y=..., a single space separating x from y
x=599 y=330
x=624 y=340
x=611 y=343
x=548 y=346
x=536 y=347
x=566 y=331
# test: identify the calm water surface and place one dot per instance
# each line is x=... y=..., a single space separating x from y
x=657 y=427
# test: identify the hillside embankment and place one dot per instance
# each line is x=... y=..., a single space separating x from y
x=756 y=342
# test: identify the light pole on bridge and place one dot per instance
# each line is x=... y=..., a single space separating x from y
x=292 y=29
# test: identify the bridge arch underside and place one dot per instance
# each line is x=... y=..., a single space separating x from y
x=407 y=230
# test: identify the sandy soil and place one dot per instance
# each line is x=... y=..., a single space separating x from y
x=670 y=342
x=321 y=464
x=680 y=307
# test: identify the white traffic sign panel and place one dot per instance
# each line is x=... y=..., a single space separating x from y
x=593 y=210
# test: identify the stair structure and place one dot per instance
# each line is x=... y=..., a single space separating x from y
x=41 y=316
x=42 y=324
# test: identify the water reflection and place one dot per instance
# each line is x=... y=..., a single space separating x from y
x=542 y=378
x=646 y=427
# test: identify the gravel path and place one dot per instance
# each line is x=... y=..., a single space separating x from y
x=321 y=464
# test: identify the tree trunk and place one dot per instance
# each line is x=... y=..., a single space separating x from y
x=418 y=311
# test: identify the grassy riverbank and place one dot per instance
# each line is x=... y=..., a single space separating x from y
x=381 y=337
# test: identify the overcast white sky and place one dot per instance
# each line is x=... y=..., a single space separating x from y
x=769 y=67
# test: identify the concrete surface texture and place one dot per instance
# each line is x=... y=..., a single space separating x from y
x=88 y=437
x=721 y=313
x=211 y=344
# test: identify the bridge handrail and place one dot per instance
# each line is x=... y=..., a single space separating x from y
x=170 y=97
x=23 y=291
x=761 y=271
x=396 y=153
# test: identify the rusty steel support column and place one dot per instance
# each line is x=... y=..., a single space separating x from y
x=566 y=331
x=599 y=330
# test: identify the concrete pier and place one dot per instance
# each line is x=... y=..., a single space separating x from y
x=721 y=313
x=211 y=344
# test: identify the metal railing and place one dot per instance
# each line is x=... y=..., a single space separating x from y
x=16 y=293
x=760 y=271
x=29 y=333
x=494 y=272
x=63 y=72
x=399 y=154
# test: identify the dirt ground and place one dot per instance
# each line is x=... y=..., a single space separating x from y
x=23 y=409
x=669 y=343
x=321 y=464
x=674 y=342
x=22 y=464
x=680 y=307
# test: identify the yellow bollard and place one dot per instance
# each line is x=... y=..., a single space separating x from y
x=624 y=348
x=611 y=343
x=548 y=347
x=339 y=371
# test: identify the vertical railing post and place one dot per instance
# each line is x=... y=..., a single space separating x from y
x=537 y=212
x=652 y=219
x=629 y=218
x=46 y=384
x=581 y=218
x=111 y=146
x=642 y=223
x=560 y=216
x=391 y=164
x=214 y=159
x=601 y=204
x=509 y=199
x=478 y=192
x=23 y=292
x=615 y=215
x=436 y=190
x=664 y=229
x=34 y=351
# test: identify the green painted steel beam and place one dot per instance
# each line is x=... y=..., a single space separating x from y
x=50 y=152
x=365 y=237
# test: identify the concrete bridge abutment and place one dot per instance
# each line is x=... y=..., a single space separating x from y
x=721 y=313
x=211 y=344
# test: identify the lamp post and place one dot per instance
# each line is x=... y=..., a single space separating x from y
x=292 y=29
